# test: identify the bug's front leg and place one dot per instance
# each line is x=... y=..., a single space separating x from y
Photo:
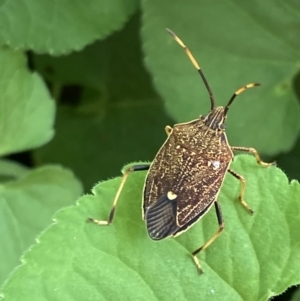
x=254 y=152
x=137 y=167
x=242 y=192
x=210 y=241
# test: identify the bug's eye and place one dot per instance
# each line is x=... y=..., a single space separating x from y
x=222 y=126
x=202 y=117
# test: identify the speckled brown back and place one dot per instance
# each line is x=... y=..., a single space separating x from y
x=190 y=166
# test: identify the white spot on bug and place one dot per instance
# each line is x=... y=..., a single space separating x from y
x=171 y=195
x=178 y=146
x=216 y=164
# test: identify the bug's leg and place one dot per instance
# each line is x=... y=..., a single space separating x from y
x=168 y=130
x=243 y=183
x=210 y=241
x=254 y=152
x=194 y=62
x=137 y=167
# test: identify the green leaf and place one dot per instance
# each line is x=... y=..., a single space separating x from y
x=256 y=257
x=26 y=207
x=25 y=103
x=235 y=42
x=58 y=27
x=12 y=170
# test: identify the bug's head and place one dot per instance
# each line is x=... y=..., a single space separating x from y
x=216 y=118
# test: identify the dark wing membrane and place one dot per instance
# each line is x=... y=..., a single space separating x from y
x=161 y=218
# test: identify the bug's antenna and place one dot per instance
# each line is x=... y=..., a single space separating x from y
x=194 y=62
x=237 y=92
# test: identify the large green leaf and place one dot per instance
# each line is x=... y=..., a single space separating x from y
x=58 y=27
x=26 y=108
x=236 y=42
x=26 y=207
x=255 y=258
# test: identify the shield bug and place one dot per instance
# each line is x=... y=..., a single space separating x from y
x=184 y=179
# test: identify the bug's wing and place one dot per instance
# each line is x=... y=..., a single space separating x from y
x=161 y=218
x=194 y=181
x=199 y=192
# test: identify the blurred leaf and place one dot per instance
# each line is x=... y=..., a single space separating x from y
x=248 y=44
x=100 y=144
x=58 y=27
x=26 y=208
x=290 y=162
x=255 y=258
x=119 y=121
x=128 y=78
x=12 y=170
x=27 y=111
x=296 y=296
x=87 y=67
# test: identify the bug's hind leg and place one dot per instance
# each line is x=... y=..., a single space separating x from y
x=242 y=192
x=210 y=241
x=126 y=172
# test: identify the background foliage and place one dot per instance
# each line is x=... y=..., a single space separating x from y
x=87 y=88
